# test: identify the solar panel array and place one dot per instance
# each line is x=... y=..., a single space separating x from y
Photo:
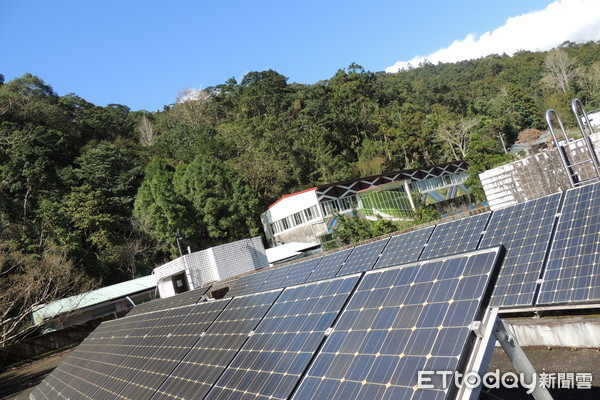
x=399 y=321
x=573 y=272
x=361 y=335
x=363 y=257
x=404 y=248
x=525 y=230
x=329 y=265
x=455 y=236
x=208 y=358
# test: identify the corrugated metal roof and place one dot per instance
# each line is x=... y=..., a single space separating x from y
x=93 y=297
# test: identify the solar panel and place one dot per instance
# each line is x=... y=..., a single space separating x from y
x=572 y=272
x=58 y=380
x=273 y=359
x=178 y=329
x=455 y=237
x=78 y=376
x=252 y=283
x=402 y=320
x=291 y=274
x=190 y=297
x=205 y=362
x=363 y=257
x=106 y=374
x=524 y=230
x=329 y=266
x=404 y=248
x=173 y=342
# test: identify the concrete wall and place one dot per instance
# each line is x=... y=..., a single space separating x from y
x=580 y=332
x=35 y=346
x=536 y=176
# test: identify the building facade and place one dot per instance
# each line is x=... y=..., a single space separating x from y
x=308 y=215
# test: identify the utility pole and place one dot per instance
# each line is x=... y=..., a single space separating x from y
x=177 y=237
x=502 y=141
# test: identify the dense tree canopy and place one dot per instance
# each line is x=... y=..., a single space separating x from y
x=105 y=188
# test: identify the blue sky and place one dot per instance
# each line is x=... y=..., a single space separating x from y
x=142 y=53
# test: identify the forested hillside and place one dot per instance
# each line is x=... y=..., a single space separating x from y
x=96 y=194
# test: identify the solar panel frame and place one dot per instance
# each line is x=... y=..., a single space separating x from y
x=401 y=320
x=363 y=257
x=211 y=354
x=572 y=273
x=525 y=230
x=276 y=355
x=456 y=236
x=330 y=265
x=404 y=248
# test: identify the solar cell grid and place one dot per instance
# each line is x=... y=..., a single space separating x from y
x=172 y=342
x=455 y=237
x=363 y=257
x=273 y=359
x=186 y=298
x=205 y=362
x=404 y=248
x=252 y=283
x=103 y=366
x=572 y=274
x=79 y=372
x=329 y=266
x=291 y=274
x=125 y=363
x=401 y=320
x=524 y=230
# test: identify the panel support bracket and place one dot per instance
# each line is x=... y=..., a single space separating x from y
x=488 y=331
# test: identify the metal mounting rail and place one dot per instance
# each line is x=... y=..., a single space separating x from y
x=584 y=124
x=559 y=148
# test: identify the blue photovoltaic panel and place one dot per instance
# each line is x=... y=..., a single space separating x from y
x=524 y=230
x=455 y=237
x=205 y=362
x=290 y=275
x=164 y=349
x=404 y=248
x=136 y=351
x=57 y=384
x=402 y=320
x=273 y=359
x=182 y=299
x=363 y=257
x=572 y=272
x=252 y=283
x=329 y=266
x=90 y=365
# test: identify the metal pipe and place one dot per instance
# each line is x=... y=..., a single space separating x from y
x=559 y=148
x=582 y=118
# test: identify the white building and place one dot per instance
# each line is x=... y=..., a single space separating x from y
x=308 y=215
x=192 y=271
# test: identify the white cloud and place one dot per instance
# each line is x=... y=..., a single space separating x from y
x=573 y=20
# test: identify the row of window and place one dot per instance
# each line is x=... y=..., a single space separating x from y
x=351 y=202
x=338 y=205
x=295 y=219
x=439 y=182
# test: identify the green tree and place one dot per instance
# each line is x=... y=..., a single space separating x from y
x=223 y=203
